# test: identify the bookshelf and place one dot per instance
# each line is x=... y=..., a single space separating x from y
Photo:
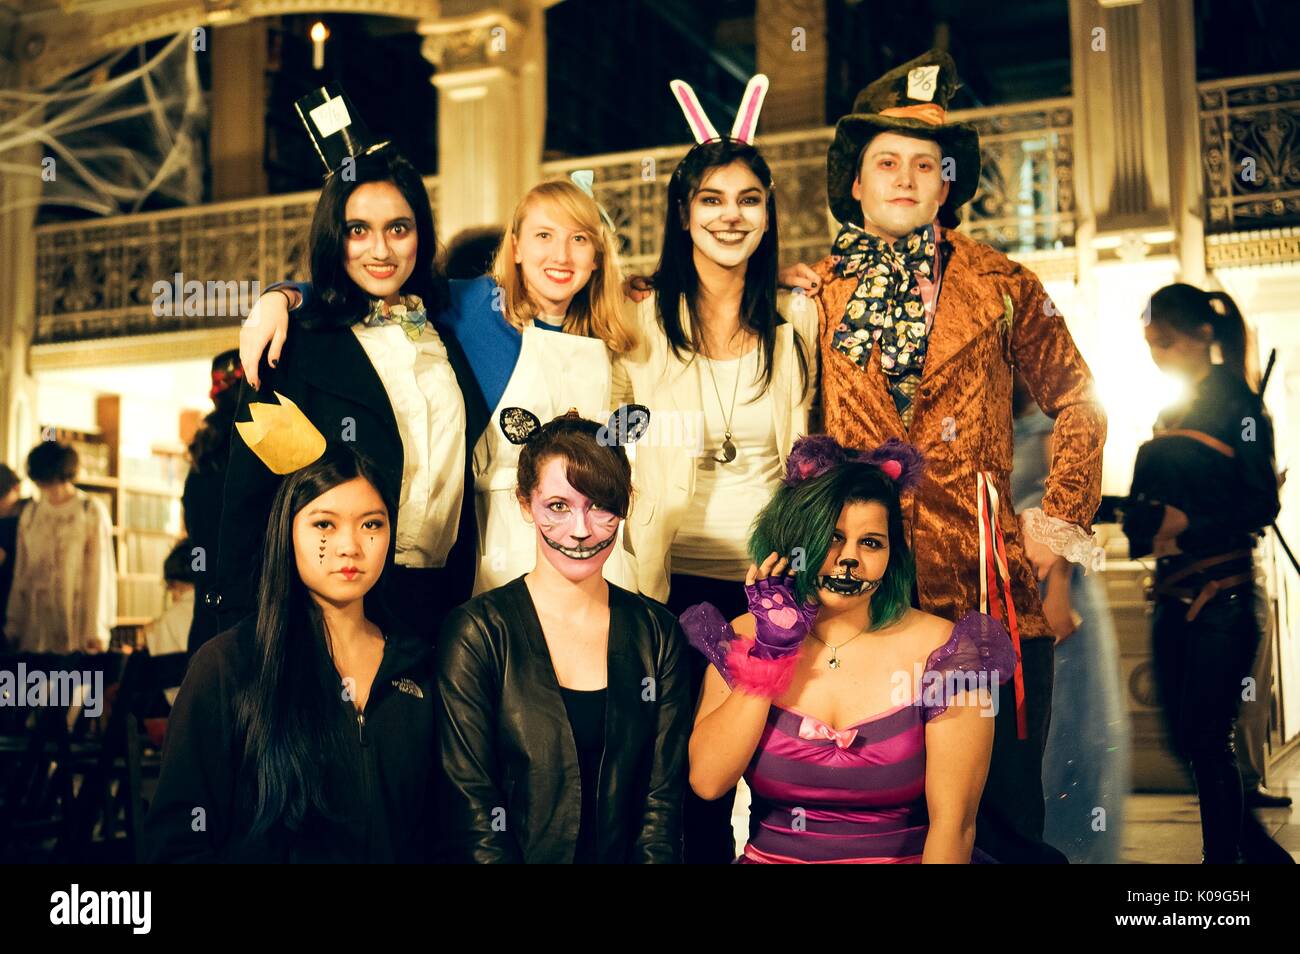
x=143 y=497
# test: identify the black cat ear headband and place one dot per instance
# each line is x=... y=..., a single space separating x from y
x=626 y=425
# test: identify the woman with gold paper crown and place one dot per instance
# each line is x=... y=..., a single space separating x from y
x=305 y=733
x=370 y=365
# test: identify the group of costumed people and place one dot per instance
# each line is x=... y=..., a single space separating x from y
x=459 y=621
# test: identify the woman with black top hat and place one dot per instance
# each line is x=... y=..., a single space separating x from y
x=305 y=733
x=1204 y=488
x=371 y=367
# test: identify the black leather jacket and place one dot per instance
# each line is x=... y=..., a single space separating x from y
x=512 y=790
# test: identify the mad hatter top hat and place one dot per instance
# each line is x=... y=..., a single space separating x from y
x=335 y=127
x=911 y=99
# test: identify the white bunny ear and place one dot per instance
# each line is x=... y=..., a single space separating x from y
x=750 y=106
x=701 y=128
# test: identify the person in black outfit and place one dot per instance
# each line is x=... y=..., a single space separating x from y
x=11 y=508
x=306 y=734
x=1204 y=487
x=201 y=499
x=370 y=364
x=565 y=707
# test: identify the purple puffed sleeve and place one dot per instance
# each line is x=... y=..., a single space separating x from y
x=978 y=652
x=708 y=633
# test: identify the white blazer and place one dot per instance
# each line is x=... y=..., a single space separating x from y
x=665 y=457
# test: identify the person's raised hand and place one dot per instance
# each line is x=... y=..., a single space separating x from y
x=637 y=288
x=780 y=622
x=800 y=276
x=267 y=324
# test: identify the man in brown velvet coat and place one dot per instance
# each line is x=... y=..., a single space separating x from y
x=921 y=330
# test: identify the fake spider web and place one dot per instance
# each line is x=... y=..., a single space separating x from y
x=119 y=132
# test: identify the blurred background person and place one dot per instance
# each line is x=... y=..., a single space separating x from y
x=1204 y=488
x=201 y=499
x=170 y=632
x=1086 y=762
x=11 y=506
x=64 y=595
x=471 y=252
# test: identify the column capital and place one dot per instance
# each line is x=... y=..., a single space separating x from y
x=490 y=38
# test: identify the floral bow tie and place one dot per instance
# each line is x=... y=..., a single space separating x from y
x=408 y=312
x=812 y=729
x=886 y=305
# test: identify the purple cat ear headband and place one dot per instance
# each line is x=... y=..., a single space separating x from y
x=815 y=454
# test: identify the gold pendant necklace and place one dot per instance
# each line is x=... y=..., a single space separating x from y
x=728 y=448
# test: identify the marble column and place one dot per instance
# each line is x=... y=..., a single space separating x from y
x=238 y=106
x=20 y=192
x=790 y=36
x=491 y=81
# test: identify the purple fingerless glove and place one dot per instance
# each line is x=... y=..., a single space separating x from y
x=708 y=633
x=781 y=622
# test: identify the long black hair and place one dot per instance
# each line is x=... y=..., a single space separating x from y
x=340 y=301
x=676 y=276
x=289 y=713
x=1185 y=308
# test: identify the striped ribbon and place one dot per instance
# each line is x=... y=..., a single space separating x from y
x=995 y=584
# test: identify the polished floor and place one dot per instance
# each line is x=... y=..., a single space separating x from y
x=1166 y=829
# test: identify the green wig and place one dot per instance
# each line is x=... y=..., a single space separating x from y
x=799 y=520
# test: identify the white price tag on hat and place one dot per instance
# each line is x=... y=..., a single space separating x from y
x=921 y=82
x=331 y=116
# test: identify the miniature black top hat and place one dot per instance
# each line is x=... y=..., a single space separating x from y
x=911 y=99
x=335 y=127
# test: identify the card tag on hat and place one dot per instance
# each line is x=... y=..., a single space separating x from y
x=332 y=115
x=921 y=82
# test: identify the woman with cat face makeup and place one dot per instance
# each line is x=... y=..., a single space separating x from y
x=859 y=723
x=565 y=704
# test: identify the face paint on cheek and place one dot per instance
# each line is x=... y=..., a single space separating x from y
x=557 y=527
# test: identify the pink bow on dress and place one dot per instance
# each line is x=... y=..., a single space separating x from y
x=811 y=728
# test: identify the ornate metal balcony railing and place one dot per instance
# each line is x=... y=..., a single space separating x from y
x=96 y=279
x=1250 y=147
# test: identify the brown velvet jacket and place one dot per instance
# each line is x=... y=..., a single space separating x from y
x=962 y=418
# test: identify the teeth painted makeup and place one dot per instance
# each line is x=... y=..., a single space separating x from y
x=578 y=533
x=578 y=553
x=845 y=584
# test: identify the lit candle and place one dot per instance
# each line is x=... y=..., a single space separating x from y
x=319 y=34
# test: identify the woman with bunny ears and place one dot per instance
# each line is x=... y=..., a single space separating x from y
x=564 y=699
x=860 y=724
x=729 y=384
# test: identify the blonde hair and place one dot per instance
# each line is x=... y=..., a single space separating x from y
x=597 y=309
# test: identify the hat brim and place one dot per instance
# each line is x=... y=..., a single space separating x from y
x=960 y=141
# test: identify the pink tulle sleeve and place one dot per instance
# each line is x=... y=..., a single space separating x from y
x=978 y=653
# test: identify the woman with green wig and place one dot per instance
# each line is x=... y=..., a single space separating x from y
x=832 y=695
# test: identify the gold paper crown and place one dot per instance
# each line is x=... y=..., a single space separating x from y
x=281 y=436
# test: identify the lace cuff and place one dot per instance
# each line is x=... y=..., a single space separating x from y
x=1063 y=538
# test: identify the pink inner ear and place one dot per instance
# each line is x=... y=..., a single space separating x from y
x=893 y=468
